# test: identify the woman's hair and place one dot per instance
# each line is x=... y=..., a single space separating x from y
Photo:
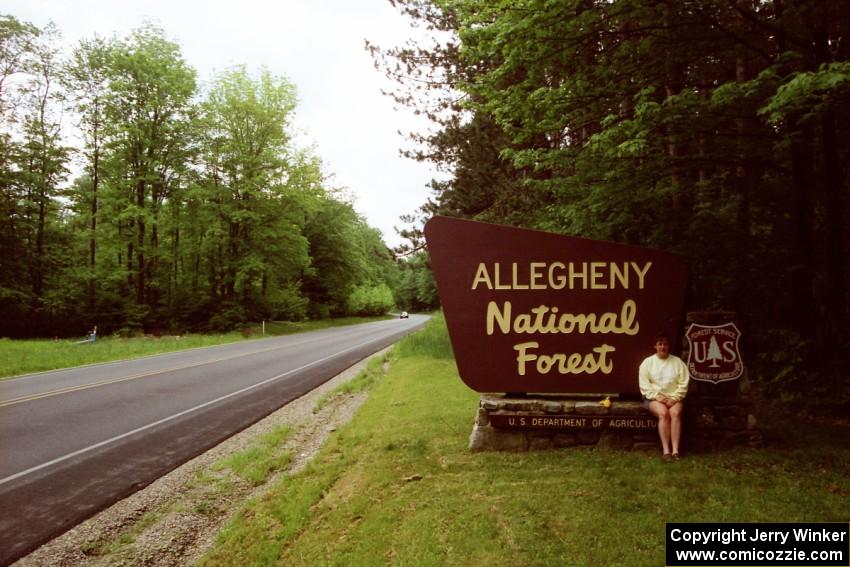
x=661 y=336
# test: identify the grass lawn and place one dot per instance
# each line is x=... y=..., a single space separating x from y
x=26 y=356
x=397 y=485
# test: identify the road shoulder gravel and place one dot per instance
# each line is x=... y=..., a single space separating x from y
x=174 y=520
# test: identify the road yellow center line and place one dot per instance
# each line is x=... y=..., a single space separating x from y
x=182 y=413
x=69 y=389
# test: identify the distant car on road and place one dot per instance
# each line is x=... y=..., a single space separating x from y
x=403 y=315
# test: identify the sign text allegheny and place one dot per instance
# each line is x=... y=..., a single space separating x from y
x=530 y=311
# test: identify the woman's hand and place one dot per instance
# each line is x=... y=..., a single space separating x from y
x=666 y=401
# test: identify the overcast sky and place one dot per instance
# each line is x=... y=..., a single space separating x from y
x=319 y=46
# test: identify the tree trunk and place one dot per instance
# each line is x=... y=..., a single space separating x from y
x=130 y=279
x=140 y=239
x=832 y=189
x=673 y=87
x=38 y=260
x=153 y=260
x=93 y=235
x=803 y=266
x=742 y=217
x=177 y=262
x=837 y=308
x=833 y=324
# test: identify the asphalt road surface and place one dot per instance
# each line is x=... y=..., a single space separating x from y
x=73 y=442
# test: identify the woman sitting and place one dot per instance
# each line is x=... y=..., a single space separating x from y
x=664 y=384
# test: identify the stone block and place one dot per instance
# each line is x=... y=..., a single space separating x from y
x=645 y=437
x=481 y=438
x=482 y=417
x=725 y=409
x=540 y=444
x=491 y=404
x=756 y=439
x=627 y=408
x=551 y=406
x=615 y=441
x=490 y=439
x=589 y=436
x=569 y=406
x=519 y=405
x=732 y=409
x=561 y=440
x=507 y=440
x=751 y=421
x=590 y=408
x=735 y=423
x=706 y=420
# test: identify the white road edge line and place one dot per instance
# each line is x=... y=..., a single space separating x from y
x=110 y=381
x=173 y=352
x=175 y=416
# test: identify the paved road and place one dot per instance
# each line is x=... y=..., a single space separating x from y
x=73 y=442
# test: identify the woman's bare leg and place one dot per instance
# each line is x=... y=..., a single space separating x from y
x=660 y=411
x=676 y=425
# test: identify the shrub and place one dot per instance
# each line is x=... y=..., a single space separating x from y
x=370 y=300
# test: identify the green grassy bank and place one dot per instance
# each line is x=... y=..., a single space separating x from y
x=397 y=485
x=26 y=356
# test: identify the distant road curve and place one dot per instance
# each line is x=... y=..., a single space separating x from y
x=73 y=442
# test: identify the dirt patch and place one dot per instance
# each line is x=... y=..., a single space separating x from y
x=174 y=520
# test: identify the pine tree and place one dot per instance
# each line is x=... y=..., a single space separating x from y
x=714 y=352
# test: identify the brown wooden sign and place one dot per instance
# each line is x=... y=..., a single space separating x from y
x=714 y=355
x=530 y=311
x=550 y=422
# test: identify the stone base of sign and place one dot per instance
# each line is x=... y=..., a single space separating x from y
x=719 y=415
x=507 y=423
x=719 y=419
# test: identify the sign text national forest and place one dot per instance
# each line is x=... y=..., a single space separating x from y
x=530 y=311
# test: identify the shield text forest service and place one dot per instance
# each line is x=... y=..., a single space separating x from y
x=530 y=311
x=714 y=355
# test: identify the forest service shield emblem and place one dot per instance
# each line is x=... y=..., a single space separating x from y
x=714 y=354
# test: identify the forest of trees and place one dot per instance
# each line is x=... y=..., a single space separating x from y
x=716 y=129
x=133 y=199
